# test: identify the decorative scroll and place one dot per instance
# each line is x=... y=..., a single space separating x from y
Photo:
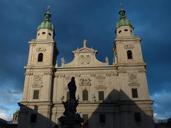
x=85 y=82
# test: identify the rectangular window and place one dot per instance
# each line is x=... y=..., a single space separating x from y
x=85 y=95
x=102 y=119
x=33 y=118
x=36 y=94
x=101 y=95
x=134 y=93
x=137 y=117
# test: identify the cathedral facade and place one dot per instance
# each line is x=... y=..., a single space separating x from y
x=110 y=95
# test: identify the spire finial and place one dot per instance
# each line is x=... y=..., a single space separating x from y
x=122 y=13
x=48 y=9
x=123 y=20
x=46 y=23
x=121 y=6
x=85 y=43
x=47 y=14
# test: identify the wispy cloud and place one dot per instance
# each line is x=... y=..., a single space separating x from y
x=162 y=104
x=9 y=97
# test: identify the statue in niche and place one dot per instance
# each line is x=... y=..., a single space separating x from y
x=37 y=81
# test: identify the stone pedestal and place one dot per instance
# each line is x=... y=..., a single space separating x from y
x=70 y=119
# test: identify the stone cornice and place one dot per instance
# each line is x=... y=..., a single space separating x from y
x=130 y=64
x=35 y=102
x=128 y=38
x=39 y=67
x=129 y=102
x=86 y=68
x=115 y=66
x=34 y=41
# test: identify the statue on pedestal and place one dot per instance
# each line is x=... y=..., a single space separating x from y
x=72 y=88
x=71 y=119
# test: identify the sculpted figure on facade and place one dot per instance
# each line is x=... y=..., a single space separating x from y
x=133 y=79
x=37 y=81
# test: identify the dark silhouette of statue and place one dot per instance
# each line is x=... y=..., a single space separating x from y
x=72 y=89
x=71 y=119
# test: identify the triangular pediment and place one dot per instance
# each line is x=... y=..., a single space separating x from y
x=84 y=57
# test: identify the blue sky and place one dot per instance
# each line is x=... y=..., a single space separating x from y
x=75 y=20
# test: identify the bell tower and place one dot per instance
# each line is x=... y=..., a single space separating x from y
x=131 y=71
x=39 y=72
x=127 y=46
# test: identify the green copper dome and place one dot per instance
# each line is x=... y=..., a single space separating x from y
x=123 y=21
x=46 y=23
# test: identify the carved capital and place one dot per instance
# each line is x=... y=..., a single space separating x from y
x=142 y=70
x=122 y=71
x=41 y=49
x=29 y=73
x=33 y=44
x=129 y=46
x=48 y=73
x=57 y=75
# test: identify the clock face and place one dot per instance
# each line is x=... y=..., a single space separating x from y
x=84 y=59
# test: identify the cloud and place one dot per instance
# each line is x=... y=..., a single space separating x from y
x=4 y=115
x=9 y=97
x=162 y=104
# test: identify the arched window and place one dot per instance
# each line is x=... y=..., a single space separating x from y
x=49 y=34
x=43 y=33
x=125 y=30
x=85 y=95
x=40 y=57
x=129 y=54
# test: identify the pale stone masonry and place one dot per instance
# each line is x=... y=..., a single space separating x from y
x=110 y=95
